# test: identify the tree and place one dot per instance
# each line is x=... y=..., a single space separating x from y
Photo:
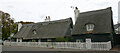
x=9 y=26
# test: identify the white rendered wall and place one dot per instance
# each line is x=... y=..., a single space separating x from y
x=19 y=26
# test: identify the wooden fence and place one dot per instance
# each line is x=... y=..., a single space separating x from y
x=72 y=45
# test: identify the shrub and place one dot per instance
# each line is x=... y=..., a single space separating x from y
x=62 y=39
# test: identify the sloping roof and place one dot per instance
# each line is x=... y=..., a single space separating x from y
x=117 y=26
x=102 y=19
x=51 y=29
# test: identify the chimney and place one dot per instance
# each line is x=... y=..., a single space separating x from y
x=47 y=18
x=19 y=26
x=76 y=11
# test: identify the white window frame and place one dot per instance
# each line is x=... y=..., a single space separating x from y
x=90 y=27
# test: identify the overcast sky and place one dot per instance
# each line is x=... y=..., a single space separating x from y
x=36 y=10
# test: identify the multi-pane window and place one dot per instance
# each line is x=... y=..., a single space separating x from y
x=90 y=27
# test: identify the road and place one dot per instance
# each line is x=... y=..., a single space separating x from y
x=13 y=49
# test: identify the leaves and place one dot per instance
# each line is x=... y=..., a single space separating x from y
x=8 y=26
x=62 y=39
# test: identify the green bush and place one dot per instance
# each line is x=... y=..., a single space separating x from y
x=33 y=40
x=62 y=39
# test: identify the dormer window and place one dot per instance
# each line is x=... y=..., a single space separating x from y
x=34 y=31
x=89 y=27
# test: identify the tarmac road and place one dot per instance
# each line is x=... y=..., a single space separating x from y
x=14 y=49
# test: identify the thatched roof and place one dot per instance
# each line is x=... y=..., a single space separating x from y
x=102 y=19
x=51 y=29
x=117 y=26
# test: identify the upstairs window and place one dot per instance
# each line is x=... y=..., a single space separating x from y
x=90 y=27
x=34 y=31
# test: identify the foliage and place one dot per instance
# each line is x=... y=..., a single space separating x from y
x=8 y=26
x=33 y=40
x=62 y=39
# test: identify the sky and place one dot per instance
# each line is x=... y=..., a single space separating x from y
x=37 y=10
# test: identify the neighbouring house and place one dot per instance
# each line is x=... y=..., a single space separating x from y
x=96 y=25
x=117 y=31
x=117 y=28
x=45 y=31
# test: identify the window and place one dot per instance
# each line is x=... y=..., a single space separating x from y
x=34 y=31
x=90 y=27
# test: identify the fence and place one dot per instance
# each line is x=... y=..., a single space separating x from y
x=72 y=45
